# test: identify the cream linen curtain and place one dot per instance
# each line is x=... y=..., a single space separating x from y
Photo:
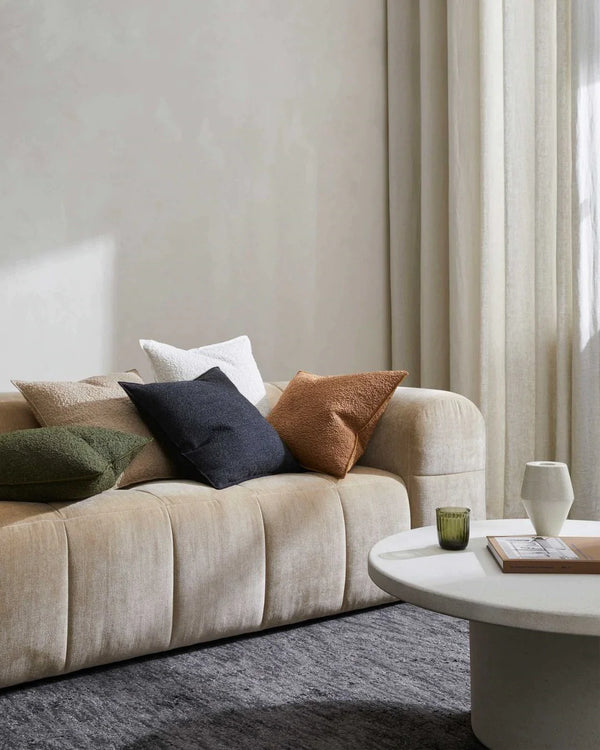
x=494 y=184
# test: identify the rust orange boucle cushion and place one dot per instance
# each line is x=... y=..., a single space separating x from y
x=326 y=421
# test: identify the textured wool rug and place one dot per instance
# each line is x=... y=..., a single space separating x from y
x=393 y=677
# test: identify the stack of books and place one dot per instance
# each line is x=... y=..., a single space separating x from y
x=546 y=554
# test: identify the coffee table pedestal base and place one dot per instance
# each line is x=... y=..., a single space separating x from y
x=533 y=690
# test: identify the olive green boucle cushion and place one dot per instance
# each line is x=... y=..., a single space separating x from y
x=63 y=463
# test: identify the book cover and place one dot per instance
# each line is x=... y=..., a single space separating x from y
x=546 y=554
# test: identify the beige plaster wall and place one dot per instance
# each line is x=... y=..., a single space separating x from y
x=188 y=171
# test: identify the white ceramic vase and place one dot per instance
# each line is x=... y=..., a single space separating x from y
x=547 y=494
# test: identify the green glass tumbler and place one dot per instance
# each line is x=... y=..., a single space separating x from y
x=453 y=527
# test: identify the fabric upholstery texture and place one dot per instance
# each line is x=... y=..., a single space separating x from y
x=15 y=413
x=168 y=564
x=34 y=581
x=172 y=563
x=63 y=463
x=99 y=402
x=234 y=357
x=213 y=432
x=327 y=420
x=434 y=440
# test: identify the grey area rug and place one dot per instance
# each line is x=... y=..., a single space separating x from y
x=392 y=677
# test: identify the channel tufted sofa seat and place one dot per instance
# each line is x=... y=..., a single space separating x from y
x=167 y=564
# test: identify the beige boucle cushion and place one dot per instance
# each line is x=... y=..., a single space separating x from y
x=326 y=421
x=99 y=401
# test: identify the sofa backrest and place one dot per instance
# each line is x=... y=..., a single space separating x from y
x=15 y=413
x=274 y=391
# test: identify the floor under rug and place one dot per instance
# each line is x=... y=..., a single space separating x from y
x=395 y=677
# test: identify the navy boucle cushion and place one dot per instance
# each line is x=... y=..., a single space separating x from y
x=213 y=432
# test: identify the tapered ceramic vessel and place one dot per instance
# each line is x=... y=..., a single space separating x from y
x=547 y=494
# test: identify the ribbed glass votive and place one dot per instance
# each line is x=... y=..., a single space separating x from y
x=453 y=527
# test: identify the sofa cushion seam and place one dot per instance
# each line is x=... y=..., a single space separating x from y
x=66 y=519
x=264 y=527
x=165 y=506
x=68 y=644
x=346 y=566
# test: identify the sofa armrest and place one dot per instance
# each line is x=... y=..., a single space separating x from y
x=435 y=440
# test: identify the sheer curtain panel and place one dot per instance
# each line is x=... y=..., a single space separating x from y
x=494 y=148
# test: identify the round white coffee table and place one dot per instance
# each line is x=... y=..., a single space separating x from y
x=535 y=638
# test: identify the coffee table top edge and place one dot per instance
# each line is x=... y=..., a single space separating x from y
x=469 y=584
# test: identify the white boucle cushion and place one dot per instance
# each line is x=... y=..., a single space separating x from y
x=234 y=357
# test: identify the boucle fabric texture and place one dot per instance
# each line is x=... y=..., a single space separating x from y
x=99 y=401
x=63 y=463
x=233 y=357
x=213 y=432
x=326 y=421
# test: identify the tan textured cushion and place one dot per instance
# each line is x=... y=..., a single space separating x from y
x=327 y=420
x=99 y=401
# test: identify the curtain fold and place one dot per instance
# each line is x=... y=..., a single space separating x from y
x=493 y=263
x=585 y=56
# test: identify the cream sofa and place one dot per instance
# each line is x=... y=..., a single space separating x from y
x=172 y=563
